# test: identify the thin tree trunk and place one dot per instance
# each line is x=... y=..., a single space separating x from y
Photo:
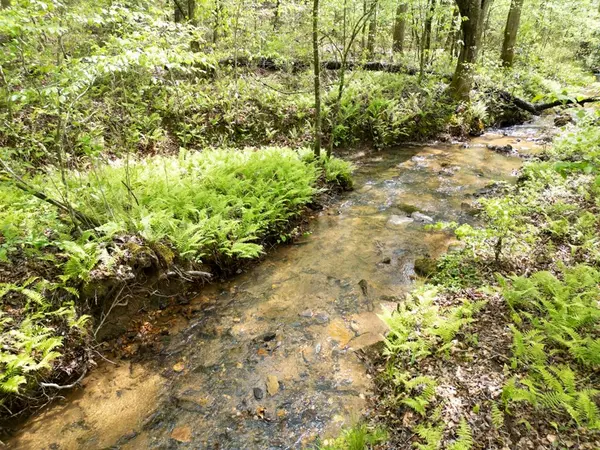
x=510 y=32
x=317 y=75
x=426 y=41
x=179 y=13
x=372 y=30
x=400 y=27
x=276 y=15
x=217 y=22
x=452 y=34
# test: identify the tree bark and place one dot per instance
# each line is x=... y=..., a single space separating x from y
x=317 y=77
x=453 y=33
x=372 y=30
x=473 y=14
x=400 y=27
x=426 y=41
x=510 y=32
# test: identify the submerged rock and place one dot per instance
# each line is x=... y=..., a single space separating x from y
x=322 y=317
x=306 y=313
x=272 y=385
x=503 y=149
x=407 y=208
x=419 y=217
x=258 y=393
x=562 y=120
x=399 y=220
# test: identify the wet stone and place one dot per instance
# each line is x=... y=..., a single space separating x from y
x=419 y=217
x=258 y=393
x=322 y=317
x=306 y=313
x=395 y=220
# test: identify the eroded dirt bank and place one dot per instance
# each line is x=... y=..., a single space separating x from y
x=269 y=359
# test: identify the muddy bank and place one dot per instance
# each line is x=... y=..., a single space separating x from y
x=268 y=360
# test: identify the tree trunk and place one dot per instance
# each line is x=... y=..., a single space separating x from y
x=453 y=33
x=372 y=31
x=426 y=41
x=191 y=11
x=510 y=32
x=317 y=75
x=400 y=27
x=179 y=11
x=473 y=14
x=276 y=15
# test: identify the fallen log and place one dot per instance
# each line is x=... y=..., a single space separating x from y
x=538 y=108
x=272 y=65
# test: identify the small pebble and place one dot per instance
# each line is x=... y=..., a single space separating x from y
x=258 y=393
x=322 y=318
x=306 y=313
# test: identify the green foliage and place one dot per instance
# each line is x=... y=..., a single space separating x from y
x=416 y=393
x=562 y=316
x=213 y=206
x=359 y=437
x=464 y=439
x=555 y=389
x=419 y=327
x=497 y=416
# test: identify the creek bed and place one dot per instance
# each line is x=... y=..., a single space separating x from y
x=268 y=359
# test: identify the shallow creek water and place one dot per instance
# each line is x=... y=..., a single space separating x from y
x=268 y=359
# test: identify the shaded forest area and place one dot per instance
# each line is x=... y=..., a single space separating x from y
x=152 y=143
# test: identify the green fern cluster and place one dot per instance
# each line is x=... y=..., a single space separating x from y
x=28 y=345
x=555 y=389
x=213 y=206
x=419 y=327
x=358 y=437
x=416 y=392
x=556 y=319
x=432 y=433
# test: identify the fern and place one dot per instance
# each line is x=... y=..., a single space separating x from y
x=465 y=437
x=497 y=416
x=431 y=434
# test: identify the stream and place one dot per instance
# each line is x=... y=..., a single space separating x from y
x=268 y=360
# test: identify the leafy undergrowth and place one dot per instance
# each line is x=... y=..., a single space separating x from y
x=157 y=217
x=503 y=352
x=108 y=97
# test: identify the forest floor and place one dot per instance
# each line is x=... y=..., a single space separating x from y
x=499 y=349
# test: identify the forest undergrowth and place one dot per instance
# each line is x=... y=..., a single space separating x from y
x=131 y=153
x=500 y=349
